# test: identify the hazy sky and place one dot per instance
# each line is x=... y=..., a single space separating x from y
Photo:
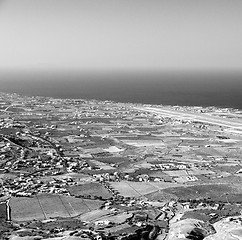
x=120 y=35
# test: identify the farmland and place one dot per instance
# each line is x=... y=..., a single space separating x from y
x=214 y=192
x=125 y=189
x=90 y=189
x=144 y=143
x=137 y=189
x=94 y=215
x=3 y=212
x=50 y=206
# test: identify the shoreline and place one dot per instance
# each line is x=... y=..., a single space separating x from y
x=194 y=107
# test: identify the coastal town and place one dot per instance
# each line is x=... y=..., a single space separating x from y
x=90 y=169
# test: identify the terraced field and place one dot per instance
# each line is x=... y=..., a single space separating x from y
x=47 y=206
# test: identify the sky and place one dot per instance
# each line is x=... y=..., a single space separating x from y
x=123 y=35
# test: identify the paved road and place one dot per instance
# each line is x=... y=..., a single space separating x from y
x=199 y=117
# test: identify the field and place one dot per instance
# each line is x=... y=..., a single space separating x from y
x=143 y=188
x=17 y=110
x=161 y=196
x=137 y=189
x=177 y=173
x=143 y=143
x=94 y=215
x=215 y=192
x=200 y=172
x=119 y=218
x=101 y=165
x=92 y=189
x=3 y=212
x=124 y=189
x=24 y=209
x=47 y=206
x=114 y=160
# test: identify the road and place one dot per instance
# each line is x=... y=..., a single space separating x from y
x=194 y=116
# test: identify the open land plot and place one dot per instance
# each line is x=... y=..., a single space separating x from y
x=142 y=165
x=194 y=142
x=143 y=143
x=158 y=174
x=238 y=145
x=232 y=180
x=52 y=206
x=143 y=187
x=125 y=189
x=74 y=206
x=100 y=141
x=201 y=152
x=101 y=165
x=216 y=192
x=114 y=149
x=161 y=196
x=197 y=214
x=148 y=129
x=92 y=189
x=230 y=168
x=200 y=172
x=47 y=206
x=25 y=209
x=119 y=218
x=164 y=185
x=89 y=146
x=92 y=204
x=114 y=160
x=16 y=109
x=230 y=141
x=97 y=120
x=94 y=215
x=213 y=152
x=176 y=173
x=137 y=189
x=118 y=228
x=171 y=143
x=3 y=211
x=8 y=131
x=148 y=137
x=7 y=176
x=233 y=131
x=234 y=153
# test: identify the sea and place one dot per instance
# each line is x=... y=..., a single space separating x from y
x=184 y=89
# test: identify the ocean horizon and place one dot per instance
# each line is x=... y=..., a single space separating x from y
x=219 y=90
